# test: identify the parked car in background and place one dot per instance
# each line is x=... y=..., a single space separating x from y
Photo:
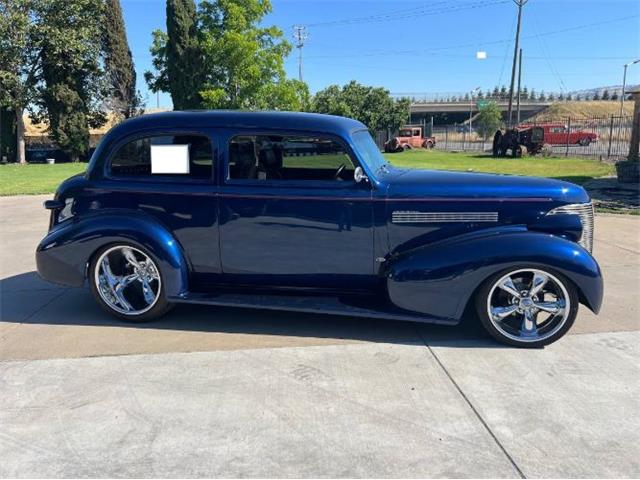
x=409 y=137
x=301 y=211
x=40 y=155
x=560 y=134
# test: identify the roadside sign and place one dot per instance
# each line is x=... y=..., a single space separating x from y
x=482 y=103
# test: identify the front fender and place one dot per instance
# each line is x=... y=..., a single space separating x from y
x=62 y=256
x=440 y=279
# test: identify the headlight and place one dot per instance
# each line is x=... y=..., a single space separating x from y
x=585 y=212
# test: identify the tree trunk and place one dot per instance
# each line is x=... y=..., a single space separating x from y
x=75 y=158
x=20 y=144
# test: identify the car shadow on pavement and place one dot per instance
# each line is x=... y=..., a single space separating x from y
x=27 y=299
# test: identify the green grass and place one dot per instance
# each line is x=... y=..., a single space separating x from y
x=576 y=170
x=33 y=179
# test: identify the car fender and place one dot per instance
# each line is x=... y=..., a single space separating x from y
x=440 y=279
x=64 y=254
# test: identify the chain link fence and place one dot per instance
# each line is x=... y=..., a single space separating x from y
x=606 y=138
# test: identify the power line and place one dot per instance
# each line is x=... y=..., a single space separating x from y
x=409 y=13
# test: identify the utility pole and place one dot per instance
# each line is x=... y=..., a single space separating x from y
x=624 y=85
x=520 y=4
x=300 y=35
x=519 y=82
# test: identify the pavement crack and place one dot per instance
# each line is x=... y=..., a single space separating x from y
x=472 y=407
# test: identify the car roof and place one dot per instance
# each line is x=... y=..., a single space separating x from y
x=240 y=119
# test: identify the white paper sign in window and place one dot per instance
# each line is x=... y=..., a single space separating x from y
x=170 y=159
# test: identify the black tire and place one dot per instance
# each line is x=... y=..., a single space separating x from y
x=161 y=305
x=584 y=142
x=481 y=301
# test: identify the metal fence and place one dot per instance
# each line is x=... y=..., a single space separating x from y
x=609 y=137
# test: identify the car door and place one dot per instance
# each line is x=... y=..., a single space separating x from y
x=292 y=215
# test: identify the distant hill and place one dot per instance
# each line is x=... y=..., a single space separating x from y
x=582 y=110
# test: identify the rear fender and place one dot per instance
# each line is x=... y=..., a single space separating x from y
x=440 y=279
x=64 y=254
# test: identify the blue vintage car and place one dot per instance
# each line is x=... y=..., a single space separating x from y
x=301 y=212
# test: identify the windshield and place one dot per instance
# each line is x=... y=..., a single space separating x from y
x=405 y=132
x=368 y=150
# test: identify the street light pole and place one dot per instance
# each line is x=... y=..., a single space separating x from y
x=475 y=90
x=520 y=4
x=624 y=84
x=519 y=82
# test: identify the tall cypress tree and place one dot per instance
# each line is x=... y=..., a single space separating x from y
x=119 y=67
x=184 y=62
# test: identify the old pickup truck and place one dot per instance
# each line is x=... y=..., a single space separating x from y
x=409 y=137
x=300 y=211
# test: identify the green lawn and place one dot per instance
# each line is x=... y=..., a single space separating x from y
x=33 y=179
x=576 y=170
x=38 y=178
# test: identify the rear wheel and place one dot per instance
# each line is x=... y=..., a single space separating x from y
x=584 y=142
x=126 y=282
x=527 y=307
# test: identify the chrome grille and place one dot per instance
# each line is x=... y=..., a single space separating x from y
x=442 y=217
x=585 y=211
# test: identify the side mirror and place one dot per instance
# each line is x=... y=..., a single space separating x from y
x=359 y=175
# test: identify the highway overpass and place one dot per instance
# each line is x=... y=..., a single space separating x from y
x=458 y=112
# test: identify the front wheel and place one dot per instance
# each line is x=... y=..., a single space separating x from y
x=584 y=142
x=126 y=282
x=527 y=307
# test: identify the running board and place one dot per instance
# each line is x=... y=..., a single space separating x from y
x=352 y=307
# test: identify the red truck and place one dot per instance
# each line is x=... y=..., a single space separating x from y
x=559 y=134
x=409 y=137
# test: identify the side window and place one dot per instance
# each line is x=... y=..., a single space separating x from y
x=134 y=158
x=416 y=132
x=288 y=158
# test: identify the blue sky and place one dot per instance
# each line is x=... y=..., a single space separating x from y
x=430 y=46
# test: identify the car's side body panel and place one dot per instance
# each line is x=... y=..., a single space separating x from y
x=419 y=243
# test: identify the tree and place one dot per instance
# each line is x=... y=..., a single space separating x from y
x=524 y=94
x=231 y=60
x=606 y=95
x=542 y=97
x=561 y=97
x=533 y=95
x=596 y=95
x=19 y=63
x=489 y=119
x=121 y=74
x=503 y=92
x=496 y=92
x=569 y=97
x=177 y=57
x=614 y=95
x=72 y=85
x=551 y=97
x=373 y=106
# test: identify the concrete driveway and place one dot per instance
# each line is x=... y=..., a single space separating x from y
x=242 y=393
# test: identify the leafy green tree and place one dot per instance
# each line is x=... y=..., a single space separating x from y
x=177 y=57
x=19 y=62
x=524 y=94
x=121 y=74
x=72 y=85
x=489 y=119
x=228 y=60
x=496 y=92
x=503 y=92
x=373 y=106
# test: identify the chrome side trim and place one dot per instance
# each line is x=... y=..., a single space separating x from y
x=403 y=216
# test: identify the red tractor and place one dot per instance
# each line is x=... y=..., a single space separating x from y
x=409 y=137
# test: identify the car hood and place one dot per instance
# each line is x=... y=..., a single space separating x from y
x=448 y=184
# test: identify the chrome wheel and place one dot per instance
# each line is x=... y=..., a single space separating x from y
x=127 y=280
x=528 y=305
